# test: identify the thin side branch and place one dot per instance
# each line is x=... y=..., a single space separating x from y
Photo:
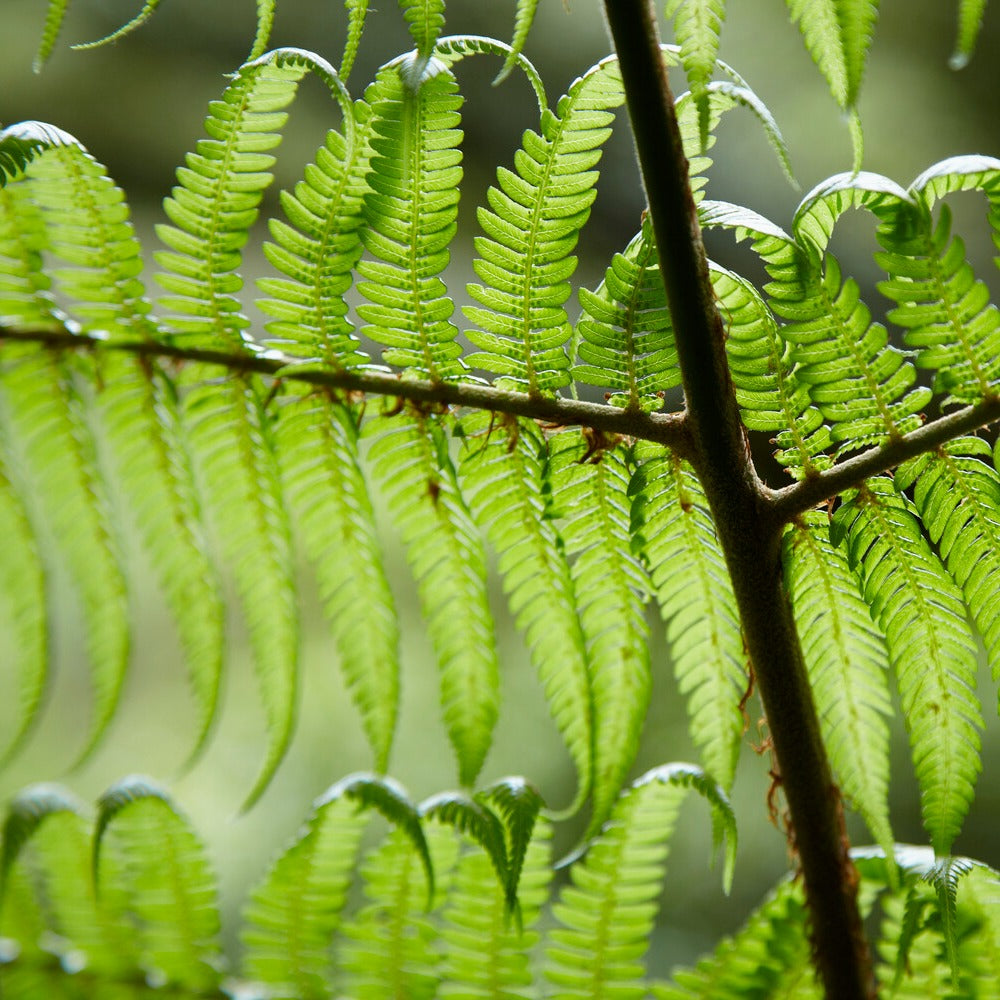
x=749 y=534
x=793 y=500
x=669 y=429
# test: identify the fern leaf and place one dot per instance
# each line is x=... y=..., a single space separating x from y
x=767 y=959
x=317 y=447
x=216 y=201
x=483 y=955
x=291 y=916
x=148 y=9
x=47 y=839
x=590 y=493
x=970 y=21
x=265 y=22
x=411 y=462
x=23 y=142
x=524 y=17
x=848 y=666
x=24 y=602
x=673 y=531
x=357 y=12
x=317 y=249
x=697 y=25
x=425 y=19
x=55 y=14
x=945 y=312
x=957 y=495
x=932 y=652
x=518 y=804
x=412 y=210
x=47 y=418
x=164 y=869
x=768 y=390
x=453 y=48
x=606 y=915
x=502 y=473
x=531 y=228
x=141 y=418
x=388 y=948
x=231 y=435
x=838 y=34
x=624 y=336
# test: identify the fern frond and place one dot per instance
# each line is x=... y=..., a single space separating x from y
x=531 y=228
x=357 y=12
x=957 y=495
x=607 y=913
x=411 y=462
x=232 y=436
x=24 y=141
x=970 y=21
x=318 y=451
x=317 y=250
x=148 y=9
x=624 y=337
x=55 y=14
x=837 y=34
x=425 y=19
x=46 y=417
x=524 y=17
x=848 y=667
x=411 y=209
x=590 y=482
x=453 y=48
x=291 y=916
x=697 y=26
x=931 y=649
x=388 y=948
x=944 y=310
x=217 y=197
x=47 y=844
x=163 y=868
x=503 y=477
x=768 y=959
x=672 y=529
x=265 y=22
x=767 y=387
x=483 y=955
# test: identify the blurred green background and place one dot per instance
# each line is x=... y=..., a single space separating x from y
x=138 y=106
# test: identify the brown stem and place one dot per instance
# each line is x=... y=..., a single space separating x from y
x=749 y=532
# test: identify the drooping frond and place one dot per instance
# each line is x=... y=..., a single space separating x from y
x=55 y=14
x=425 y=19
x=625 y=339
x=410 y=459
x=673 y=531
x=970 y=21
x=265 y=22
x=502 y=470
x=453 y=48
x=837 y=34
x=535 y=216
x=697 y=26
x=957 y=495
x=606 y=915
x=148 y=9
x=161 y=874
x=524 y=17
x=848 y=666
x=411 y=211
x=291 y=916
x=477 y=821
x=590 y=481
x=767 y=959
x=931 y=649
x=318 y=451
x=22 y=142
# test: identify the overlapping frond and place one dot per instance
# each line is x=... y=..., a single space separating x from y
x=931 y=649
x=590 y=480
x=410 y=460
x=411 y=211
x=502 y=472
x=535 y=215
x=357 y=13
x=673 y=532
x=697 y=26
x=524 y=17
x=425 y=19
x=848 y=667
